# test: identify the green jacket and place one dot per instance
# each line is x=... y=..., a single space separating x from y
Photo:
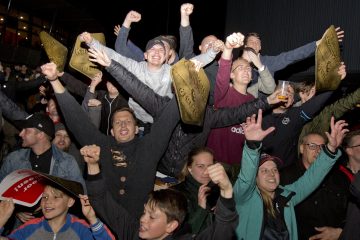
x=320 y=124
x=249 y=204
x=197 y=217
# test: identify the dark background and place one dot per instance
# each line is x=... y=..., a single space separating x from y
x=282 y=24
x=285 y=25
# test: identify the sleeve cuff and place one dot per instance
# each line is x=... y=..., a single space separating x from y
x=262 y=68
x=229 y=203
x=330 y=153
x=253 y=144
x=97 y=226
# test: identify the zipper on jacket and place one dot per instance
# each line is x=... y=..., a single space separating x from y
x=108 y=117
x=54 y=238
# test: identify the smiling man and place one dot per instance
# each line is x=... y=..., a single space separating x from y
x=63 y=141
x=124 y=125
x=154 y=72
x=38 y=152
x=129 y=163
x=322 y=214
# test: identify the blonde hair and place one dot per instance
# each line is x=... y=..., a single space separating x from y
x=268 y=203
x=57 y=192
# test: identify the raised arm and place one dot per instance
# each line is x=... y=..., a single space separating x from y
x=275 y=63
x=90 y=92
x=337 y=109
x=186 y=49
x=114 y=215
x=222 y=84
x=313 y=105
x=72 y=84
x=27 y=86
x=144 y=95
x=322 y=165
x=99 y=231
x=10 y=110
x=226 y=217
x=132 y=65
x=254 y=134
x=339 y=33
x=278 y=62
x=209 y=56
x=75 y=117
x=266 y=82
x=224 y=117
x=122 y=44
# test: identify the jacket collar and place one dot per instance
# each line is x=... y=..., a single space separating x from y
x=63 y=228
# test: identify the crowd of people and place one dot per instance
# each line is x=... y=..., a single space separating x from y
x=106 y=150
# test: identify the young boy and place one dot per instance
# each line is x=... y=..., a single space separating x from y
x=56 y=223
x=164 y=211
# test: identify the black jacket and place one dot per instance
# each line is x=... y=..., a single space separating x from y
x=326 y=206
x=129 y=168
x=351 y=230
x=288 y=126
x=108 y=105
x=184 y=137
x=126 y=226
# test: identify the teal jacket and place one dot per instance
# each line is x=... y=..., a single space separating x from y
x=249 y=204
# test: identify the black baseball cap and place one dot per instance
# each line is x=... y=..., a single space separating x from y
x=39 y=121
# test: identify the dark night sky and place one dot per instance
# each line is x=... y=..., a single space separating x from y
x=158 y=17
x=162 y=17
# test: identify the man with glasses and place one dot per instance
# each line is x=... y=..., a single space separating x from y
x=322 y=214
x=288 y=121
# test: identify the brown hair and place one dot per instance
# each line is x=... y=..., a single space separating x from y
x=123 y=109
x=304 y=86
x=171 y=39
x=347 y=142
x=172 y=202
x=252 y=34
x=190 y=159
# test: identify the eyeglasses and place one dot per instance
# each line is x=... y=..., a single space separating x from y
x=354 y=146
x=242 y=67
x=314 y=146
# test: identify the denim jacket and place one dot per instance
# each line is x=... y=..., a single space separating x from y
x=62 y=164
